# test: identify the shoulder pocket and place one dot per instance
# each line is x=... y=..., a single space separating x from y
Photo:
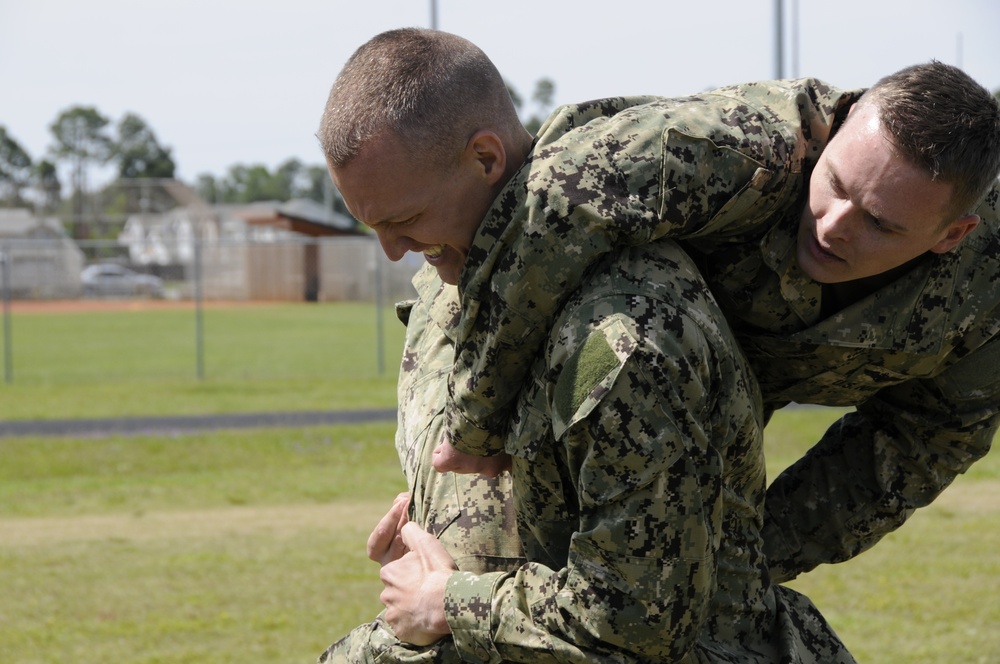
x=714 y=188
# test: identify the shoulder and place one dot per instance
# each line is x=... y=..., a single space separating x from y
x=645 y=340
x=657 y=279
x=645 y=312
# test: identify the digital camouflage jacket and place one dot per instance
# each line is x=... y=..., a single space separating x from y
x=638 y=480
x=726 y=174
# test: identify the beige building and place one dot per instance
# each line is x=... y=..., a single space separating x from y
x=39 y=258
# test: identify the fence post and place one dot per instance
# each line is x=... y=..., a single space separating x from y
x=198 y=325
x=379 y=326
x=8 y=361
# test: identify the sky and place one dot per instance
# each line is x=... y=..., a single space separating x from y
x=225 y=82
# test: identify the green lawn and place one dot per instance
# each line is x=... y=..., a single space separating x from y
x=249 y=546
x=273 y=357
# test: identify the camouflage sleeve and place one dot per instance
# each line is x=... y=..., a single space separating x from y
x=632 y=451
x=875 y=466
x=602 y=177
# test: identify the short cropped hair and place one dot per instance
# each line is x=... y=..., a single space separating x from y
x=944 y=122
x=434 y=89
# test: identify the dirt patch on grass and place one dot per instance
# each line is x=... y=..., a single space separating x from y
x=973 y=497
x=970 y=497
x=210 y=523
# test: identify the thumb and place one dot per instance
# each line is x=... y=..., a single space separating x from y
x=413 y=535
x=425 y=545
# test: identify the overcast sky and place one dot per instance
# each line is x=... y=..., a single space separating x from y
x=244 y=81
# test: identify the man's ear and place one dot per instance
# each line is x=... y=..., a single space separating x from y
x=956 y=232
x=487 y=153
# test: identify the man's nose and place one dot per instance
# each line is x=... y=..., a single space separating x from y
x=836 y=222
x=393 y=246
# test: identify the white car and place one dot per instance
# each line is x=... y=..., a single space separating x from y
x=109 y=279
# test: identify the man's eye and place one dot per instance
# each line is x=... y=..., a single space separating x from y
x=837 y=188
x=877 y=224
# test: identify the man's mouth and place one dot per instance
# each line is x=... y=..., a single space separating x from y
x=433 y=253
x=824 y=252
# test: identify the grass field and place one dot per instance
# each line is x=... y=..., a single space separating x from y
x=142 y=359
x=249 y=545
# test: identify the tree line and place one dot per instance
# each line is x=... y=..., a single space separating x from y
x=83 y=139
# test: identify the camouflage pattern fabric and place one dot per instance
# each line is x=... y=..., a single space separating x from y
x=726 y=173
x=471 y=515
x=638 y=479
x=917 y=358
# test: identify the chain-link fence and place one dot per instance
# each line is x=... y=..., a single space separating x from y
x=48 y=273
x=352 y=269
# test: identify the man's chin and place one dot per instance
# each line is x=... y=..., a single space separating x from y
x=448 y=275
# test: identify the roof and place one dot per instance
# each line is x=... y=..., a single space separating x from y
x=19 y=223
x=304 y=209
x=299 y=215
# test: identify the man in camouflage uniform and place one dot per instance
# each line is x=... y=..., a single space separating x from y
x=471 y=515
x=845 y=254
x=635 y=444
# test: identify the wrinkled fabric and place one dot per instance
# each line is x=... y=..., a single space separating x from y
x=725 y=173
x=638 y=480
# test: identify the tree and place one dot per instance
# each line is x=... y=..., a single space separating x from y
x=47 y=184
x=138 y=153
x=545 y=90
x=246 y=184
x=208 y=188
x=314 y=183
x=80 y=139
x=515 y=97
x=15 y=169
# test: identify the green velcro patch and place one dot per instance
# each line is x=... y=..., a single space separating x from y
x=582 y=373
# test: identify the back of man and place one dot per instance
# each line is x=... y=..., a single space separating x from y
x=638 y=484
x=638 y=479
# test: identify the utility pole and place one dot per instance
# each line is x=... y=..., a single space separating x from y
x=779 y=39
x=794 y=37
x=434 y=15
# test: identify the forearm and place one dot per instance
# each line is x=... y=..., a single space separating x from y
x=862 y=481
x=537 y=614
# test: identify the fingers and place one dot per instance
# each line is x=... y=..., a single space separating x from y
x=447 y=459
x=414 y=588
x=429 y=550
x=385 y=544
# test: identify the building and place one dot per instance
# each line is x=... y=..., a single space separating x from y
x=297 y=250
x=39 y=259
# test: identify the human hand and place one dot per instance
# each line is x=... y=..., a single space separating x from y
x=447 y=459
x=385 y=544
x=414 y=588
